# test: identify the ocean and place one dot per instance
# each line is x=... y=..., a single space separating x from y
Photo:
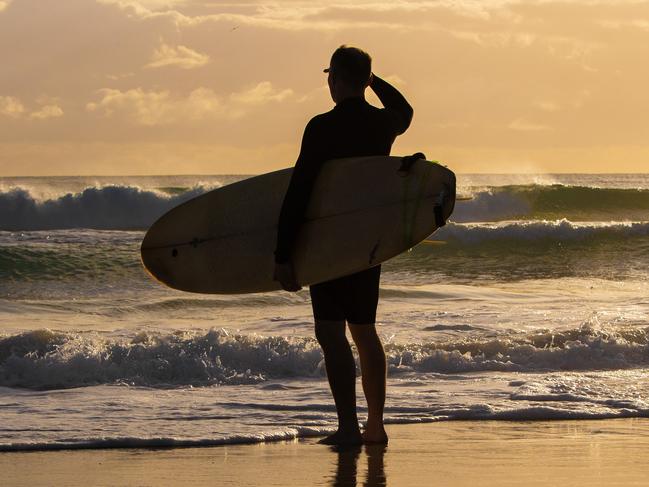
x=531 y=303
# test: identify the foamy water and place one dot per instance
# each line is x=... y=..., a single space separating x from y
x=530 y=304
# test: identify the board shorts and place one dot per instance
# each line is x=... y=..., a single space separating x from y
x=351 y=298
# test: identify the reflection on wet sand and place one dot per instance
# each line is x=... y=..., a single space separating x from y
x=347 y=466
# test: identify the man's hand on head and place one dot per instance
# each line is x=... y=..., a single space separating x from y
x=285 y=274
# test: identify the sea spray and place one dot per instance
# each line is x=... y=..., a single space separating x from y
x=132 y=207
x=45 y=359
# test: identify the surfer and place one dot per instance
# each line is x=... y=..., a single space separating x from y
x=353 y=128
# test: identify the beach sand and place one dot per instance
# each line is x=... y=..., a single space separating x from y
x=454 y=453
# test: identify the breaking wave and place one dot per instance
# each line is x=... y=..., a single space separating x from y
x=46 y=359
x=122 y=207
x=552 y=202
x=109 y=207
x=510 y=250
x=541 y=231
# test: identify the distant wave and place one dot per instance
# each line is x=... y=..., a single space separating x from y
x=45 y=359
x=540 y=230
x=109 y=207
x=553 y=202
x=520 y=250
x=98 y=257
x=129 y=207
x=516 y=250
x=532 y=249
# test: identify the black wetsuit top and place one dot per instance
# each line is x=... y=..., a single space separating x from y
x=354 y=128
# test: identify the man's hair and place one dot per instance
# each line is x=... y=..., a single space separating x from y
x=352 y=65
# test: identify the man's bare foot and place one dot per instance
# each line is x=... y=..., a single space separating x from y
x=342 y=438
x=373 y=437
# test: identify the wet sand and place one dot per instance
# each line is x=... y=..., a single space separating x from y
x=458 y=453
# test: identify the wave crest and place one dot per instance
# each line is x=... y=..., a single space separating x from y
x=541 y=231
x=124 y=207
x=553 y=202
x=108 y=207
x=50 y=360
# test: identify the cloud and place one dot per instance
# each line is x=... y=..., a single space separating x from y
x=181 y=56
x=116 y=77
x=154 y=4
x=137 y=9
x=11 y=106
x=260 y=94
x=624 y=24
x=47 y=111
x=161 y=107
x=523 y=125
x=332 y=15
x=547 y=106
x=302 y=15
x=156 y=107
x=495 y=39
x=4 y=4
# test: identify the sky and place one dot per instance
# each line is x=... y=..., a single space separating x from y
x=107 y=87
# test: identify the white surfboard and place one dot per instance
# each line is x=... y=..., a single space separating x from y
x=363 y=211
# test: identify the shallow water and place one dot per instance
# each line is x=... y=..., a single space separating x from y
x=531 y=304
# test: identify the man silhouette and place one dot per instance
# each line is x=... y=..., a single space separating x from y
x=353 y=128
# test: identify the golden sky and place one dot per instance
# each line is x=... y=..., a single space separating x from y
x=202 y=86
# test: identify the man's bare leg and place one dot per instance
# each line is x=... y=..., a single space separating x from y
x=341 y=373
x=374 y=373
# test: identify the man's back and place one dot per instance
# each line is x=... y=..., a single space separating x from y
x=353 y=128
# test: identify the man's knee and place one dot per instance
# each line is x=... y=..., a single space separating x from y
x=329 y=332
x=363 y=334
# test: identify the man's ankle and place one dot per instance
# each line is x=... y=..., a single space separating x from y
x=349 y=428
x=375 y=425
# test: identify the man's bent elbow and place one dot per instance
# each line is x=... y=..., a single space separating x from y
x=406 y=118
x=409 y=113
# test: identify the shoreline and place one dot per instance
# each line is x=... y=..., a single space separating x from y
x=603 y=452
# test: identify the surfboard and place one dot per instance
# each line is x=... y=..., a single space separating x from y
x=363 y=211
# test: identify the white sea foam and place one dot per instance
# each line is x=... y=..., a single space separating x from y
x=537 y=202
x=49 y=360
x=489 y=206
x=109 y=207
x=127 y=417
x=168 y=442
x=129 y=206
x=543 y=230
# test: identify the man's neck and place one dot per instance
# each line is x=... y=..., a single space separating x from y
x=346 y=96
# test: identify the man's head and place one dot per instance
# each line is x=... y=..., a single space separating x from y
x=349 y=71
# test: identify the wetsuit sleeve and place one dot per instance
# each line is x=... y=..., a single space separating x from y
x=395 y=104
x=299 y=192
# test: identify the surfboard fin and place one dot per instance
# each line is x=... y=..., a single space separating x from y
x=439 y=218
x=408 y=161
x=440 y=221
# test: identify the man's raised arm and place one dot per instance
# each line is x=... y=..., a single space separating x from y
x=393 y=101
